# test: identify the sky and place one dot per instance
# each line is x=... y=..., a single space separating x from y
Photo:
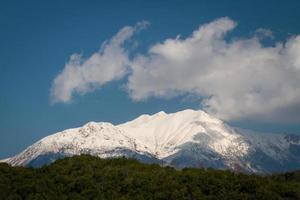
x=65 y=63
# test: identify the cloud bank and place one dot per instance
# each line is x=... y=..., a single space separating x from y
x=234 y=78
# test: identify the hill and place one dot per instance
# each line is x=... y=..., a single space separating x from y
x=88 y=177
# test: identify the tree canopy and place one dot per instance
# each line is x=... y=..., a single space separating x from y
x=88 y=177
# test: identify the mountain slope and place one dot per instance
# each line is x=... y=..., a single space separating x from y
x=183 y=139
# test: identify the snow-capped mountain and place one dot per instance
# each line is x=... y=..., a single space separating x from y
x=183 y=139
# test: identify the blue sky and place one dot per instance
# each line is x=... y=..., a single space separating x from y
x=37 y=39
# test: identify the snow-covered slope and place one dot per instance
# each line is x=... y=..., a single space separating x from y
x=103 y=139
x=165 y=133
x=186 y=138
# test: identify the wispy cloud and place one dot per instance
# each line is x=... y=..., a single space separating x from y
x=235 y=78
x=80 y=76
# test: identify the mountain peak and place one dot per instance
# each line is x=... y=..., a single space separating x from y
x=98 y=124
x=187 y=114
x=196 y=115
x=187 y=138
x=160 y=113
x=164 y=132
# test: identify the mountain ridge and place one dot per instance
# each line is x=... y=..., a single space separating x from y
x=186 y=138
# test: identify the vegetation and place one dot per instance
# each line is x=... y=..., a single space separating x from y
x=87 y=177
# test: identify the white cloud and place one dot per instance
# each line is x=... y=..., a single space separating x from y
x=262 y=33
x=237 y=79
x=84 y=75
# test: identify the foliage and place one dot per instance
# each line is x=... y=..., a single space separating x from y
x=87 y=177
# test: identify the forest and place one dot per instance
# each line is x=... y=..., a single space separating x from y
x=88 y=177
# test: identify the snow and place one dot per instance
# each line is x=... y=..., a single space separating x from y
x=162 y=132
x=160 y=135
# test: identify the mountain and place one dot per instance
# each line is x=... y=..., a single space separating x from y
x=187 y=138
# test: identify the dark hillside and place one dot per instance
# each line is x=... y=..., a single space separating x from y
x=87 y=177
